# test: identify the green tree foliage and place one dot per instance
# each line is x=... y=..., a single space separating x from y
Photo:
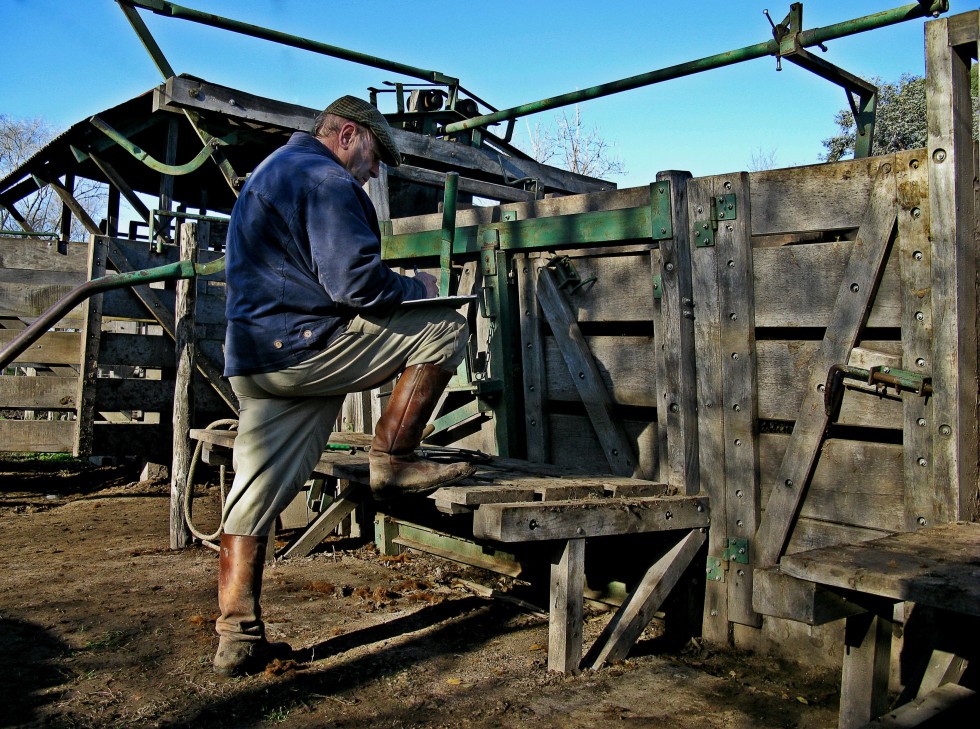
x=900 y=120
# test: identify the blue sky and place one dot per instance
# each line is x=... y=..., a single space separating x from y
x=64 y=60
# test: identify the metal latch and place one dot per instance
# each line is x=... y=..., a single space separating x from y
x=566 y=274
x=880 y=377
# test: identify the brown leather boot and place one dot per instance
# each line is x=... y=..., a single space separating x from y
x=395 y=469
x=242 y=647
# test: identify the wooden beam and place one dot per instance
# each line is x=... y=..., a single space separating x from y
x=91 y=339
x=185 y=348
x=782 y=596
x=675 y=357
x=533 y=356
x=953 y=226
x=945 y=706
x=72 y=204
x=542 y=520
x=503 y=193
x=854 y=299
x=557 y=311
x=622 y=631
x=567 y=607
x=864 y=678
x=325 y=523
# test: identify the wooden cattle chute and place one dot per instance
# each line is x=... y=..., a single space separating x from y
x=680 y=335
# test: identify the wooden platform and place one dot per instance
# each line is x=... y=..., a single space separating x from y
x=514 y=501
x=936 y=567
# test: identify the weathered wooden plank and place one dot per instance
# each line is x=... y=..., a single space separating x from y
x=474 y=187
x=783 y=365
x=915 y=257
x=781 y=596
x=935 y=566
x=37 y=436
x=537 y=521
x=186 y=355
x=325 y=523
x=113 y=394
x=953 y=226
x=798 y=285
x=809 y=534
x=738 y=365
x=42 y=255
x=858 y=483
x=535 y=379
x=864 y=269
x=864 y=679
x=567 y=607
x=53 y=348
x=38 y=393
x=621 y=632
x=137 y=350
x=940 y=707
x=28 y=294
x=625 y=365
x=90 y=341
x=573 y=444
x=711 y=436
x=815 y=197
x=617 y=449
x=676 y=384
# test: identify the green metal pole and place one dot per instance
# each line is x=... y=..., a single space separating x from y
x=161 y=7
x=170 y=272
x=448 y=232
x=807 y=38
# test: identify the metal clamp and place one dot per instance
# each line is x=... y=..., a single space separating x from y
x=566 y=275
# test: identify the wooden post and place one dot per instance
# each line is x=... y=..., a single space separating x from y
x=864 y=679
x=953 y=230
x=711 y=436
x=532 y=351
x=567 y=606
x=915 y=270
x=677 y=417
x=184 y=346
x=91 y=339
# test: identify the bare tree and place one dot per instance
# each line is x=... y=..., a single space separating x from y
x=20 y=139
x=762 y=159
x=570 y=144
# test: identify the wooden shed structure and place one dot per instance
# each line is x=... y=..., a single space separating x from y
x=733 y=372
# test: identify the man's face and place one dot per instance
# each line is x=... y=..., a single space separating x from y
x=364 y=158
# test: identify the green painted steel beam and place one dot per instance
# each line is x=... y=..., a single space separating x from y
x=559 y=231
x=172 y=10
x=807 y=38
x=448 y=232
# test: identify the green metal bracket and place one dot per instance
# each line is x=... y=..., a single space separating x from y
x=658 y=287
x=661 y=223
x=737 y=550
x=566 y=275
x=457 y=416
x=448 y=232
x=715 y=569
x=489 y=244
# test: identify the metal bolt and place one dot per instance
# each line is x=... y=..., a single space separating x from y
x=738 y=441
x=741 y=573
x=728 y=185
x=700 y=210
x=737 y=408
x=735 y=355
x=533 y=421
x=738 y=524
x=232 y=102
x=921 y=422
x=919 y=316
x=731 y=264
x=661 y=189
x=580 y=531
x=855 y=288
x=669 y=267
x=917 y=255
x=674 y=407
x=668 y=515
x=922 y=462
x=714 y=613
x=733 y=316
x=738 y=493
x=821 y=387
x=663 y=231
x=945 y=430
x=921 y=521
x=914 y=164
x=920 y=362
x=916 y=213
x=581 y=375
x=789 y=483
x=704 y=225
x=615 y=452
x=700 y=507
x=939 y=155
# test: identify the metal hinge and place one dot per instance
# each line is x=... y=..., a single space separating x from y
x=736 y=550
x=715 y=569
x=723 y=208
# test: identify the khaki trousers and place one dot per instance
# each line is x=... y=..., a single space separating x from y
x=285 y=417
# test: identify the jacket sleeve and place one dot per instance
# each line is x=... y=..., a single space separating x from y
x=346 y=249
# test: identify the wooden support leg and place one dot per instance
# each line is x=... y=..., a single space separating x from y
x=635 y=614
x=864 y=681
x=325 y=523
x=565 y=624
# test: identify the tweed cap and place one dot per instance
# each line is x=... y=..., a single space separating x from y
x=360 y=111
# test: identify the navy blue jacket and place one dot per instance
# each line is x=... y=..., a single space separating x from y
x=303 y=258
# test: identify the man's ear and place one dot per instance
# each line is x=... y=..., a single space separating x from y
x=347 y=134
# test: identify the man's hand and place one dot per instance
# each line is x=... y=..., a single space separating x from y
x=430 y=283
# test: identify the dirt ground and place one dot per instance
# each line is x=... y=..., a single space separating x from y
x=102 y=625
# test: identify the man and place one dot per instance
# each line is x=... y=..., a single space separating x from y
x=312 y=315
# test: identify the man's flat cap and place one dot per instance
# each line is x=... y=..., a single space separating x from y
x=360 y=111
